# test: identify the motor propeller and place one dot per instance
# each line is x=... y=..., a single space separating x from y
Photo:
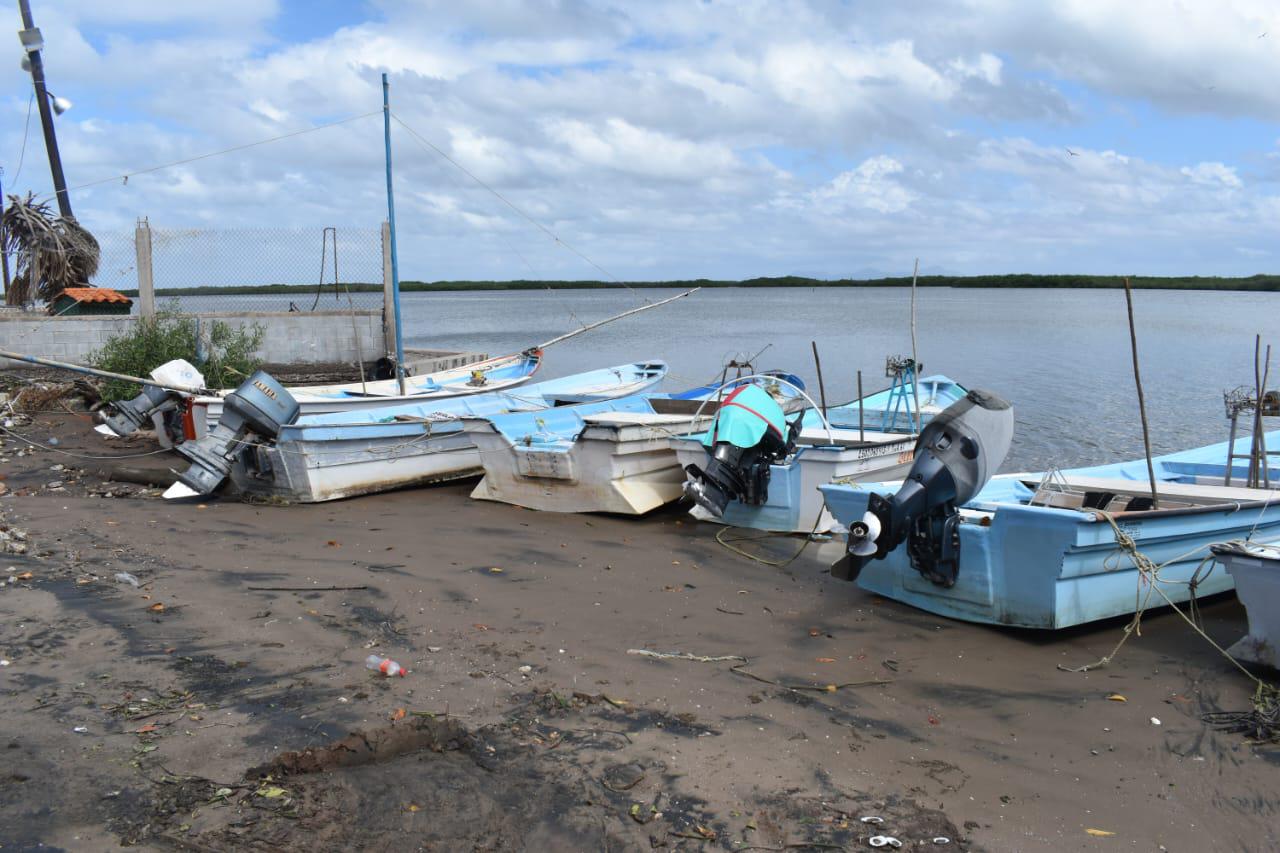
x=863 y=535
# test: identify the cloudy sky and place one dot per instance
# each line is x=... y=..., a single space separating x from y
x=681 y=139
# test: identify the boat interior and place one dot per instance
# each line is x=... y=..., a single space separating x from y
x=676 y=406
x=846 y=439
x=1117 y=494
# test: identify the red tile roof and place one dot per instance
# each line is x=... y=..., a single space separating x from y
x=95 y=294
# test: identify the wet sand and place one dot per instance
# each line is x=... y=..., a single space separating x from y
x=524 y=723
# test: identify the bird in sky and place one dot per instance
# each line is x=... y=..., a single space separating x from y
x=1073 y=153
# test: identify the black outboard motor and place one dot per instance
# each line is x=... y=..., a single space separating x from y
x=749 y=433
x=955 y=456
x=257 y=409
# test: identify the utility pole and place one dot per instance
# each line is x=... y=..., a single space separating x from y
x=4 y=252
x=32 y=41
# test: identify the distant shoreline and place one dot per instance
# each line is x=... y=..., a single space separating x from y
x=1100 y=282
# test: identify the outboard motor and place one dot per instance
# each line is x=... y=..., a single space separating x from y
x=750 y=432
x=130 y=415
x=955 y=456
x=257 y=409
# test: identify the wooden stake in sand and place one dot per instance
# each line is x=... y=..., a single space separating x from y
x=1142 y=405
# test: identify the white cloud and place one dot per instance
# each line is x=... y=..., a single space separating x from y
x=199 y=12
x=1213 y=174
x=741 y=138
x=267 y=110
x=985 y=67
x=617 y=144
x=1196 y=57
x=871 y=185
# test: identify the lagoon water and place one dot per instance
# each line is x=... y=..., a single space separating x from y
x=1060 y=356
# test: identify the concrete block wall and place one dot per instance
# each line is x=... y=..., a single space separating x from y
x=320 y=337
x=313 y=337
x=62 y=338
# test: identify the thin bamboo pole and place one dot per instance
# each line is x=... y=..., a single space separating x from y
x=1142 y=405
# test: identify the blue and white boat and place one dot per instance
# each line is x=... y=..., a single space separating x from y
x=342 y=454
x=881 y=450
x=1040 y=551
x=614 y=456
x=481 y=377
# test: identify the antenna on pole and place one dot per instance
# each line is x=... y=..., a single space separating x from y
x=391 y=220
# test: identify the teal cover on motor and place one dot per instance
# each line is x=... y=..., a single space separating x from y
x=744 y=416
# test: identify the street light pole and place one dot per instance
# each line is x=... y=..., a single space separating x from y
x=33 y=42
x=4 y=249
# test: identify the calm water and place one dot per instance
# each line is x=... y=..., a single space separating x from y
x=1060 y=356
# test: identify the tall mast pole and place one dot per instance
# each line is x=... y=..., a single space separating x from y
x=33 y=42
x=391 y=219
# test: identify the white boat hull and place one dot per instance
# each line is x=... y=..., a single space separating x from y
x=621 y=463
x=1256 y=571
x=311 y=472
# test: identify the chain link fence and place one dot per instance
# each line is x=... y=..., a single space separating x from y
x=117 y=261
x=201 y=270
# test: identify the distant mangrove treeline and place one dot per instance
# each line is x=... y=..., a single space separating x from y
x=1253 y=282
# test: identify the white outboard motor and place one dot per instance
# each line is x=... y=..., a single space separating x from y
x=955 y=456
x=153 y=403
x=254 y=411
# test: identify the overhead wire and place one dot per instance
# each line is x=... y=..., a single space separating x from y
x=126 y=175
x=26 y=129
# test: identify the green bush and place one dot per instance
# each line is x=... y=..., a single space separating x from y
x=227 y=350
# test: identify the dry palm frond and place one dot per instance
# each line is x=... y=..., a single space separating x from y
x=52 y=253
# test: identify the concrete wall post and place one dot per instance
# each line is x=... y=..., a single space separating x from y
x=146 y=284
x=388 y=283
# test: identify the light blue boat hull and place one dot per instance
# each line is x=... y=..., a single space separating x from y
x=1046 y=567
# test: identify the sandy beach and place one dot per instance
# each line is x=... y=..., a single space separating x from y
x=224 y=702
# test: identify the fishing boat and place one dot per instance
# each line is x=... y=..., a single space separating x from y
x=1051 y=550
x=342 y=454
x=495 y=374
x=614 y=456
x=1255 y=568
x=182 y=408
x=834 y=449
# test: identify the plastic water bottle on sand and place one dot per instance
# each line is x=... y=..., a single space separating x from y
x=386 y=666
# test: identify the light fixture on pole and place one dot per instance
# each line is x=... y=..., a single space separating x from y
x=60 y=105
